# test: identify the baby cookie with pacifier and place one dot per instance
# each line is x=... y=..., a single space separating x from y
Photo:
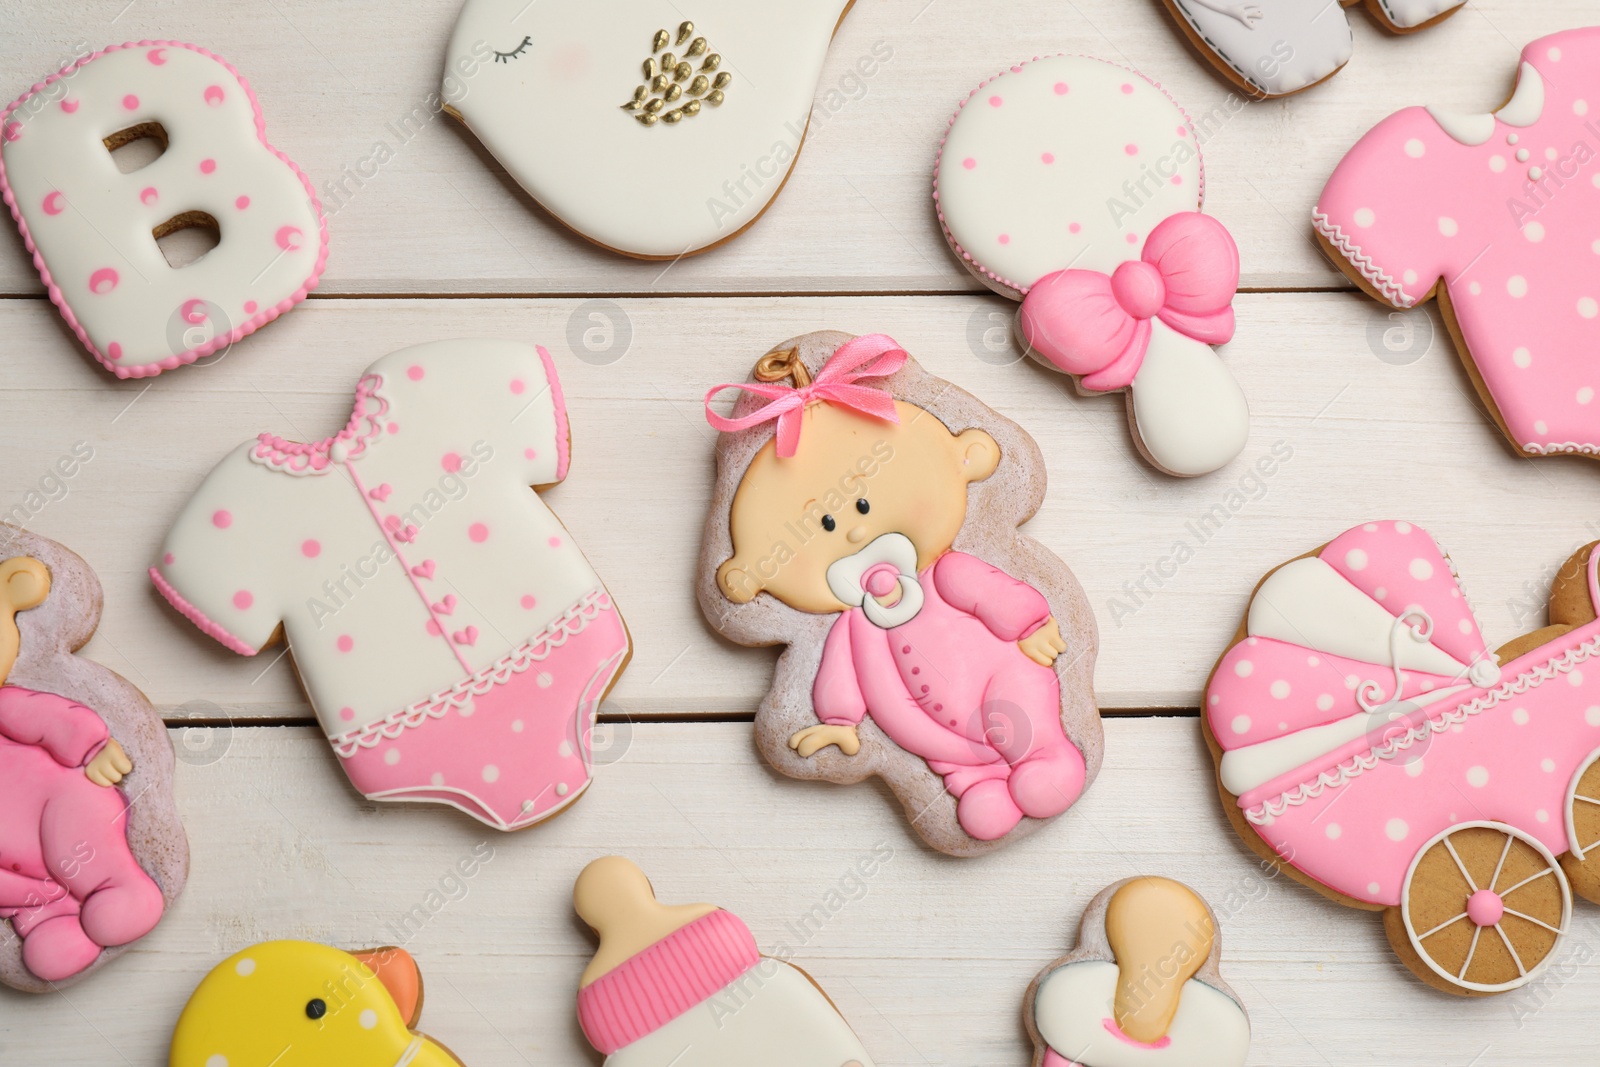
x=1142 y=989
x=1074 y=185
x=84 y=871
x=865 y=515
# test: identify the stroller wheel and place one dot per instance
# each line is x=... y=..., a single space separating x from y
x=1582 y=861
x=1483 y=907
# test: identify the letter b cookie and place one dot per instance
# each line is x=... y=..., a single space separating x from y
x=93 y=229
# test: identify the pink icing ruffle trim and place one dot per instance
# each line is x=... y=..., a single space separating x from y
x=563 y=438
x=657 y=985
x=315 y=457
x=249 y=326
x=198 y=617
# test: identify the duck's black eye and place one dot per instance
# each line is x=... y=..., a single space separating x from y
x=828 y=523
x=862 y=506
x=316 y=1008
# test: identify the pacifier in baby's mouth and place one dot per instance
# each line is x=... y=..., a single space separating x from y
x=887 y=563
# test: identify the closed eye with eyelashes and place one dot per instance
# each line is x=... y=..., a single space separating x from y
x=506 y=57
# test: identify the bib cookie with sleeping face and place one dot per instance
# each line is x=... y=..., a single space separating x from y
x=1142 y=989
x=1277 y=47
x=1074 y=186
x=93 y=229
x=654 y=129
x=865 y=515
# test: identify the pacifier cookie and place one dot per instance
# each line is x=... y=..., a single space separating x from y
x=1498 y=216
x=1074 y=186
x=1142 y=989
x=865 y=515
x=684 y=985
x=453 y=640
x=331 y=1008
x=1369 y=743
x=93 y=229
x=84 y=871
x=1277 y=47
x=644 y=132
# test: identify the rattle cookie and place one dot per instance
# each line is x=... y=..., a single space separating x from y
x=683 y=985
x=1277 y=47
x=1074 y=186
x=865 y=515
x=453 y=640
x=1369 y=743
x=1498 y=216
x=93 y=229
x=330 y=1008
x=1142 y=988
x=643 y=132
x=84 y=871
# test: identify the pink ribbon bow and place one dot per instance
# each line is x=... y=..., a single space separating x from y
x=872 y=355
x=1098 y=326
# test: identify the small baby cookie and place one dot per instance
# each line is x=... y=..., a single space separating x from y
x=330 y=1008
x=1074 y=186
x=1142 y=988
x=648 y=134
x=683 y=985
x=865 y=515
x=1498 y=216
x=1369 y=742
x=453 y=640
x=92 y=229
x=84 y=872
x=1277 y=47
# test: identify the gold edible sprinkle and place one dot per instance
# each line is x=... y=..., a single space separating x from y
x=649 y=68
x=647 y=119
x=696 y=48
x=669 y=61
x=654 y=106
x=672 y=93
x=681 y=71
x=715 y=99
x=698 y=86
x=683 y=32
x=660 y=41
x=722 y=80
x=692 y=108
x=713 y=61
x=658 y=83
x=673 y=116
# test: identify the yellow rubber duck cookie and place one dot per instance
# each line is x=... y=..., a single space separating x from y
x=298 y=1004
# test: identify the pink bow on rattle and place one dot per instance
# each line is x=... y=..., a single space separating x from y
x=1098 y=326
x=872 y=355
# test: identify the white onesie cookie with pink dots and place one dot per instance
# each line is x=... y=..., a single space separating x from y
x=453 y=640
x=93 y=229
x=1074 y=186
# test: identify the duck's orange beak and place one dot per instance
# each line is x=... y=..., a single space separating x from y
x=400 y=976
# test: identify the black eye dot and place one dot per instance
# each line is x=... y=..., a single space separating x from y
x=828 y=523
x=316 y=1008
x=862 y=506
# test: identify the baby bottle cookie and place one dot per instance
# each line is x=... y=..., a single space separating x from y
x=1142 y=989
x=646 y=133
x=83 y=871
x=453 y=640
x=93 y=229
x=865 y=515
x=330 y=1008
x=685 y=986
x=1369 y=742
x=1074 y=186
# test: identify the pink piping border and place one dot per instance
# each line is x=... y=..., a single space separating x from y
x=199 y=618
x=938 y=157
x=265 y=316
x=563 y=431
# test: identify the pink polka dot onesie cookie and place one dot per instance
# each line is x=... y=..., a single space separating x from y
x=1369 y=742
x=453 y=640
x=1498 y=216
x=865 y=515
x=93 y=228
x=1074 y=186
x=85 y=871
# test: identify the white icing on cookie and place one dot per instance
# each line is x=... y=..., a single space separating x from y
x=542 y=86
x=92 y=227
x=1074 y=1003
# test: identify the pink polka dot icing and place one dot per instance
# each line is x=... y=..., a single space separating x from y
x=148 y=195
x=414 y=373
x=451 y=462
x=103 y=280
x=345 y=643
x=347 y=714
x=69 y=106
x=478 y=532
x=995 y=101
x=1061 y=88
x=208 y=166
x=517 y=386
x=243 y=599
x=969 y=162
x=130 y=102
x=311 y=548
x=214 y=95
x=242 y=202
x=1047 y=157
x=555 y=542
x=529 y=601
x=222 y=519
x=114 y=351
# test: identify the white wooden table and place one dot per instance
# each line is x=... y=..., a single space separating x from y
x=930 y=962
